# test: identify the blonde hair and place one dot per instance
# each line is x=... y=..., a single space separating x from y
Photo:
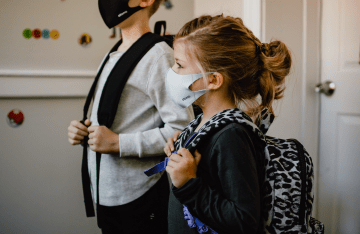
x=223 y=44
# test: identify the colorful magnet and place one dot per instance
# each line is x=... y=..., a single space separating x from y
x=85 y=39
x=36 y=33
x=54 y=34
x=46 y=33
x=15 y=118
x=27 y=33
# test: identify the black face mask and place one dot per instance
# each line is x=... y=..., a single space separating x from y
x=114 y=12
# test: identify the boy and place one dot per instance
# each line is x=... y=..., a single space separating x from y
x=131 y=202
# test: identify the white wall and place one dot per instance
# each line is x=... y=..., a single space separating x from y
x=176 y=17
x=213 y=7
x=40 y=181
x=32 y=82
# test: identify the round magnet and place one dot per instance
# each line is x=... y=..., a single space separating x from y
x=54 y=34
x=85 y=39
x=36 y=33
x=27 y=33
x=15 y=118
x=46 y=33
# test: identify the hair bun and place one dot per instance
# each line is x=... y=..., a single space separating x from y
x=277 y=59
x=277 y=63
x=263 y=47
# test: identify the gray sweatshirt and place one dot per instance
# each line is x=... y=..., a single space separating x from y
x=145 y=118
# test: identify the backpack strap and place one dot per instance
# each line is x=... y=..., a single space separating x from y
x=89 y=207
x=119 y=75
x=93 y=86
x=158 y=26
x=169 y=39
x=302 y=162
x=109 y=102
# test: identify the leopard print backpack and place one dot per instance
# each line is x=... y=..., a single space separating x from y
x=288 y=188
x=287 y=191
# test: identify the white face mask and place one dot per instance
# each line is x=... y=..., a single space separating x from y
x=177 y=86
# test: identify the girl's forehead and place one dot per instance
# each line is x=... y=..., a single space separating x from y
x=179 y=48
x=181 y=52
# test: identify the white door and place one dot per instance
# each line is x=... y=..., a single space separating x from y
x=339 y=177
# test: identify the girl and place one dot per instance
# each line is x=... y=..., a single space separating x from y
x=217 y=167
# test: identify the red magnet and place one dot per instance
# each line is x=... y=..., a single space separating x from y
x=36 y=33
x=15 y=118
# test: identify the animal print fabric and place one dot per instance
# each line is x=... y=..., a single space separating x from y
x=282 y=185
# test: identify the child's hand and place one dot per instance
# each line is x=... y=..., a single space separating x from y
x=77 y=131
x=169 y=146
x=103 y=140
x=182 y=166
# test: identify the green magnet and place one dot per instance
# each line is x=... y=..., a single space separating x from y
x=27 y=33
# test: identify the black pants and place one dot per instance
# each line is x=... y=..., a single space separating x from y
x=147 y=214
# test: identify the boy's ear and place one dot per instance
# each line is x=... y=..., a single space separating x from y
x=215 y=81
x=146 y=3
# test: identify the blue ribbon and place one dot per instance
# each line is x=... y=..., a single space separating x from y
x=161 y=166
x=157 y=168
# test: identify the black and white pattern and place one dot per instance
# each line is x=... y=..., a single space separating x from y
x=282 y=185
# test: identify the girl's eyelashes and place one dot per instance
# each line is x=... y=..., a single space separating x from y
x=179 y=65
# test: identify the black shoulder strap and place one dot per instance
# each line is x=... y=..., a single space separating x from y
x=157 y=30
x=119 y=75
x=89 y=207
x=93 y=86
x=109 y=102
x=158 y=26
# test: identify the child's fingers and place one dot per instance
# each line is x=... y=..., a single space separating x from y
x=92 y=128
x=169 y=169
x=170 y=144
x=77 y=131
x=197 y=157
x=74 y=142
x=87 y=122
x=176 y=135
x=74 y=136
x=175 y=158
x=77 y=124
x=171 y=164
x=184 y=153
x=167 y=150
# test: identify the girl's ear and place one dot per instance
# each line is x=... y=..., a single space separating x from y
x=215 y=81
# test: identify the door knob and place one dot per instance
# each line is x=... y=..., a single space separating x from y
x=327 y=88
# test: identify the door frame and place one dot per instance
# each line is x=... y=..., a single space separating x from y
x=255 y=12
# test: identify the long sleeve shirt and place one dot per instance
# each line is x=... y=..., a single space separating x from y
x=145 y=118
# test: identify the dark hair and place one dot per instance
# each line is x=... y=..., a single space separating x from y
x=154 y=7
x=223 y=44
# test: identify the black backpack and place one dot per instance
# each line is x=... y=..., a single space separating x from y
x=110 y=98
